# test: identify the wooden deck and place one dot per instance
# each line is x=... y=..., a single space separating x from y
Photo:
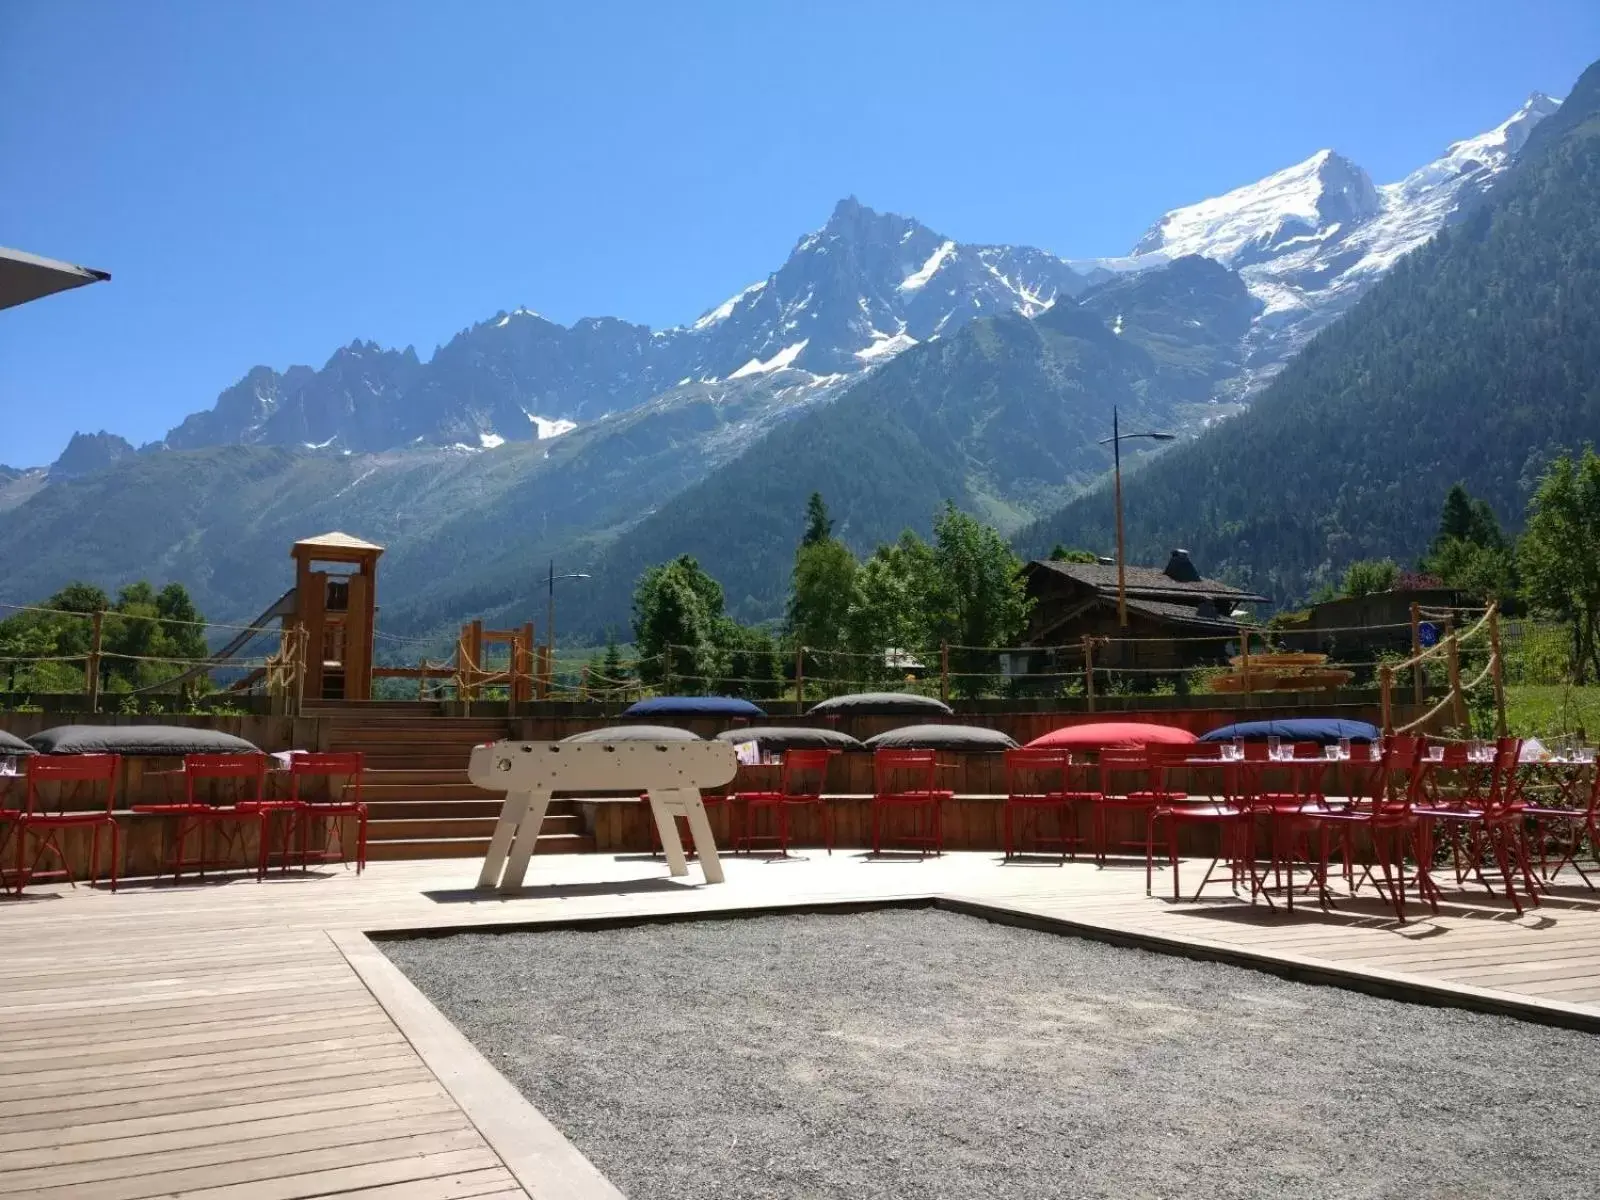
x=215 y=1043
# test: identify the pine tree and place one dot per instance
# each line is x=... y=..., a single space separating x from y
x=819 y=526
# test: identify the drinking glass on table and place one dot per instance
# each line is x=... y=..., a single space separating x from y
x=1344 y=748
x=1275 y=749
x=1583 y=754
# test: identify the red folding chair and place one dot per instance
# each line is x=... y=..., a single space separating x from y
x=1040 y=782
x=329 y=814
x=1567 y=828
x=800 y=784
x=43 y=821
x=1483 y=816
x=1275 y=793
x=198 y=816
x=1130 y=783
x=903 y=781
x=1380 y=802
x=1222 y=813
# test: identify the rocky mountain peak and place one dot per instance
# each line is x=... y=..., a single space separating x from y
x=87 y=453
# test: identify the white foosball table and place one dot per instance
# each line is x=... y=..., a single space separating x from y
x=671 y=774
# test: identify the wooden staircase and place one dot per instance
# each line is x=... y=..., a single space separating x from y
x=420 y=803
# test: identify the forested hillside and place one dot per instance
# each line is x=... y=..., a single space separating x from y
x=1476 y=359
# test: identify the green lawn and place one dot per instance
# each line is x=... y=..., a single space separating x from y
x=1546 y=710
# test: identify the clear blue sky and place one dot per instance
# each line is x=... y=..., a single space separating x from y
x=267 y=181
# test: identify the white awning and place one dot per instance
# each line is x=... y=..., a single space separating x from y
x=25 y=277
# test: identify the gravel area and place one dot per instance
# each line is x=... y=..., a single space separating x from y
x=933 y=1056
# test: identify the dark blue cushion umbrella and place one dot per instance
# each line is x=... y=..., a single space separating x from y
x=1325 y=731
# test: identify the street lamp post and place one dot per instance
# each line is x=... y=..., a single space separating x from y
x=550 y=614
x=1116 y=439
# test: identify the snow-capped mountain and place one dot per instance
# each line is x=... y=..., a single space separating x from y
x=850 y=296
x=866 y=286
x=1310 y=239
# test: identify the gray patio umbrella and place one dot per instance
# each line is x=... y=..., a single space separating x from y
x=25 y=277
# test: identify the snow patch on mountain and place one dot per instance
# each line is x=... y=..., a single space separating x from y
x=783 y=358
x=929 y=269
x=544 y=428
x=490 y=441
x=725 y=310
x=885 y=345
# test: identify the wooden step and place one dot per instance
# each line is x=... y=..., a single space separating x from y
x=471 y=847
x=391 y=830
x=483 y=804
x=416 y=776
x=409 y=810
x=433 y=761
x=458 y=788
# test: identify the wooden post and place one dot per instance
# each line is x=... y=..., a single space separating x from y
x=522 y=671
x=666 y=670
x=1497 y=672
x=422 y=681
x=91 y=674
x=583 y=684
x=799 y=679
x=944 y=671
x=475 y=652
x=301 y=638
x=1416 y=649
x=1458 y=702
x=1385 y=684
x=1088 y=670
x=1244 y=658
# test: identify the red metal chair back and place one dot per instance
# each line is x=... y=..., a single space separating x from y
x=805 y=772
x=224 y=766
x=1126 y=761
x=71 y=768
x=904 y=773
x=1199 y=764
x=1503 y=792
x=326 y=764
x=1036 y=774
x=1404 y=756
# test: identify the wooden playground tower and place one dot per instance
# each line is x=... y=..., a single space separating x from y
x=328 y=622
x=335 y=607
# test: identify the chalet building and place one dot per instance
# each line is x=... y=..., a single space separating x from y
x=1166 y=608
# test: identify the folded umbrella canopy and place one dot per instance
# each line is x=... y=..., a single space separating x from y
x=693 y=706
x=25 y=277
x=959 y=739
x=1098 y=735
x=1324 y=731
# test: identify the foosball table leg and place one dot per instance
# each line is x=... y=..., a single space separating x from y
x=665 y=813
x=512 y=811
x=527 y=840
x=705 y=844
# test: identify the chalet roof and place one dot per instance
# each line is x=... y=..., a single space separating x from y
x=337 y=541
x=1179 y=614
x=25 y=276
x=1144 y=582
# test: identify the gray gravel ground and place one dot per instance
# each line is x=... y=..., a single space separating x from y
x=927 y=1055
